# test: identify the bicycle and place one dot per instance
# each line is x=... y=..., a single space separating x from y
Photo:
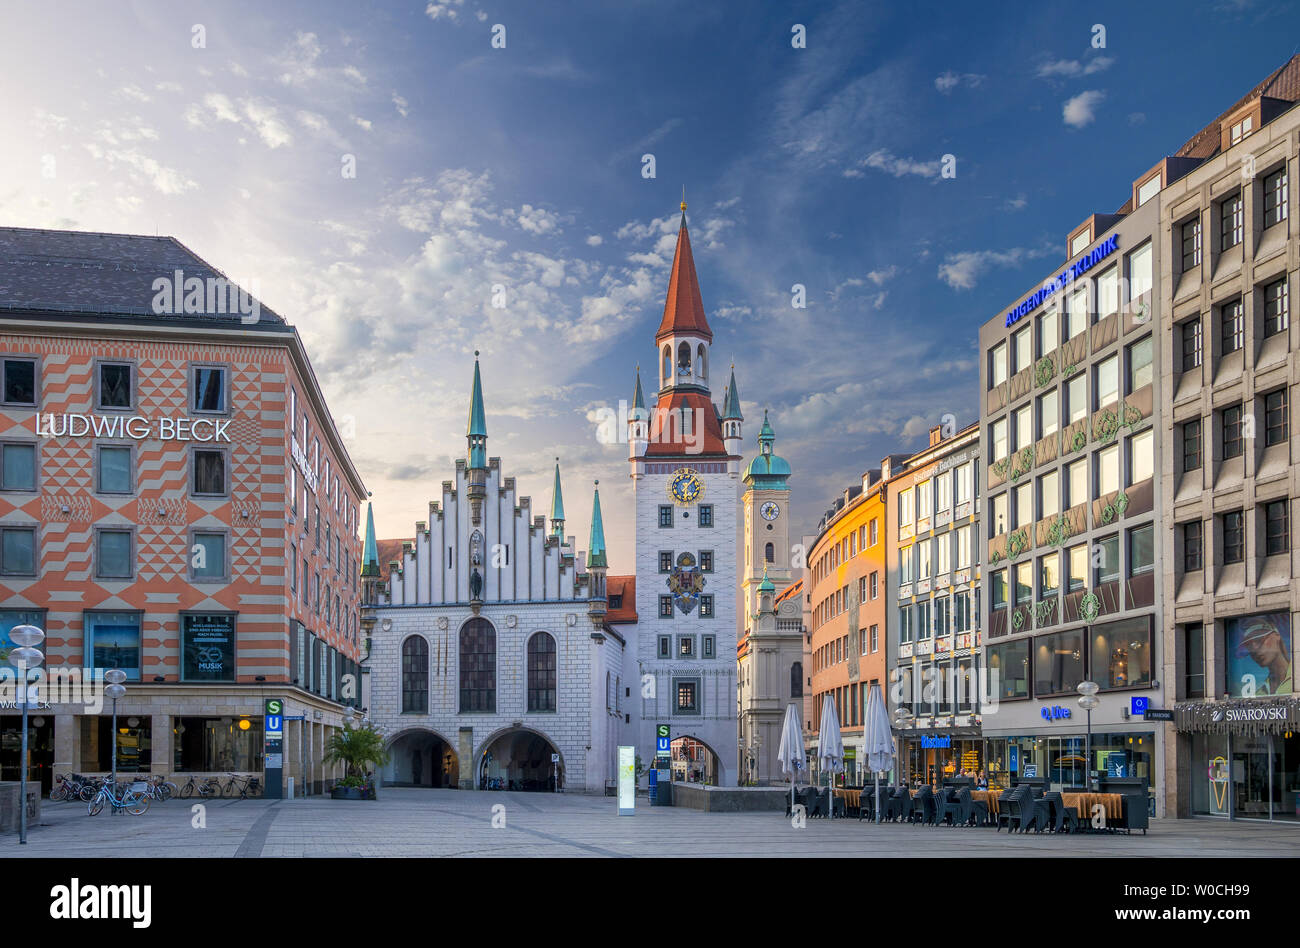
x=208 y=788
x=245 y=787
x=121 y=797
x=162 y=788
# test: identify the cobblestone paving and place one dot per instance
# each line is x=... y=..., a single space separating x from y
x=409 y=822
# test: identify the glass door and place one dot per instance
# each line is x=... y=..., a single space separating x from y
x=1251 y=762
x=1286 y=777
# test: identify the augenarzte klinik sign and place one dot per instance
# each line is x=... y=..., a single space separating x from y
x=136 y=427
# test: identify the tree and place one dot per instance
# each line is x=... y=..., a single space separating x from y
x=355 y=747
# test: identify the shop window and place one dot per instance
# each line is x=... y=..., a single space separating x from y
x=1058 y=663
x=217 y=745
x=134 y=743
x=1121 y=654
x=1009 y=670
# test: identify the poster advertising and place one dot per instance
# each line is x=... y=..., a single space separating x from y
x=1259 y=655
x=11 y=619
x=626 y=781
x=116 y=638
x=208 y=647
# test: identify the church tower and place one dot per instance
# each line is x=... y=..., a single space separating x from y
x=766 y=503
x=685 y=465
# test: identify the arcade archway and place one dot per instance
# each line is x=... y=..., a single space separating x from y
x=519 y=759
x=421 y=758
x=694 y=761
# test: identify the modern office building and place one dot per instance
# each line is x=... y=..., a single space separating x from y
x=933 y=601
x=1230 y=476
x=1070 y=382
x=175 y=502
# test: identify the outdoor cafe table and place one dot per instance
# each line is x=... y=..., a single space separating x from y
x=852 y=798
x=987 y=796
x=1083 y=803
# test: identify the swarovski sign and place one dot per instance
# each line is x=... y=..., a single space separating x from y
x=135 y=427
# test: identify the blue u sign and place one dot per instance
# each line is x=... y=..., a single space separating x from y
x=274 y=723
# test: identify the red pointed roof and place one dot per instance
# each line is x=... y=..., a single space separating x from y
x=666 y=438
x=683 y=307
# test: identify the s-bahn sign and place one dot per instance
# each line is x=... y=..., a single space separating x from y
x=135 y=427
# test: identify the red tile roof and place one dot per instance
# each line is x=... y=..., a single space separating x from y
x=389 y=550
x=1282 y=83
x=626 y=587
x=792 y=591
x=683 y=307
x=665 y=435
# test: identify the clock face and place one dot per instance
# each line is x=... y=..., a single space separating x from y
x=770 y=511
x=685 y=487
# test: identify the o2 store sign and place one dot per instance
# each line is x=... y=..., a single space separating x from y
x=136 y=427
x=1054 y=712
x=1064 y=278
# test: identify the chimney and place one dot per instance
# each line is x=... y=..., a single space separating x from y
x=935 y=436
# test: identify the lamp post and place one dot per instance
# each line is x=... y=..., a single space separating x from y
x=1088 y=700
x=114 y=689
x=24 y=657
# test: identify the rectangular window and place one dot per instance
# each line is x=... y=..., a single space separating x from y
x=1138 y=357
x=1275 y=198
x=207 y=647
x=113 y=641
x=1023 y=341
x=1233 y=325
x=1076 y=397
x=1234 y=443
x=1077 y=557
x=998 y=597
x=665 y=646
x=19 y=382
x=1277 y=311
x=961 y=485
x=875 y=532
x=875 y=585
x=1010 y=662
x=924 y=499
x=1192 y=445
x=1234 y=537
x=1231 y=217
x=1049 y=575
x=686 y=697
x=706 y=607
x=18 y=466
x=904 y=624
x=1076 y=483
x=1121 y=654
x=1024 y=430
x=998 y=434
x=1277 y=532
x=293 y=567
x=1024 y=512
x=665 y=561
x=1194 y=659
x=1078 y=311
x=114 y=554
x=1049 y=414
x=943 y=554
x=1049 y=495
x=1193 y=546
x=906 y=515
x=1049 y=332
x=1191 y=337
x=1191 y=240
x=707 y=646
x=1139 y=268
x=999 y=520
x=1106 y=568
x=208 y=395
x=875 y=639
x=1107 y=470
x=1107 y=382
x=114 y=383
x=1148 y=189
x=706 y=515
x=18 y=551
x=1058 y=663
x=665 y=515
x=665 y=607
x=923 y=560
x=943 y=492
x=997 y=365
x=1141 y=456
x=685 y=646
x=963 y=547
x=1024 y=582
x=1141 y=550
x=1276 y=427
x=210 y=475
x=706 y=561
x=1108 y=293
x=208 y=557
x=923 y=628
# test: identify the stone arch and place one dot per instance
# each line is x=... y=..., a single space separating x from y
x=666 y=367
x=525 y=775
x=708 y=769
x=684 y=359
x=702 y=363
x=426 y=748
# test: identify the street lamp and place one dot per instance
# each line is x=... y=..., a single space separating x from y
x=114 y=689
x=1089 y=700
x=26 y=656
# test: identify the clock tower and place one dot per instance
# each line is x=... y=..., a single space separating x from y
x=684 y=456
x=766 y=503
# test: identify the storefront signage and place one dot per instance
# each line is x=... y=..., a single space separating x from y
x=663 y=735
x=936 y=743
x=1158 y=714
x=1241 y=716
x=1064 y=279
x=308 y=472
x=135 y=427
x=1054 y=712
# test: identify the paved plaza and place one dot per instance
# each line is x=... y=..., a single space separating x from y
x=410 y=822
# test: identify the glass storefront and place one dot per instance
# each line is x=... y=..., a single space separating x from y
x=134 y=744
x=1063 y=758
x=40 y=748
x=208 y=745
x=1246 y=776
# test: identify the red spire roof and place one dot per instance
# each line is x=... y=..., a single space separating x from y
x=683 y=308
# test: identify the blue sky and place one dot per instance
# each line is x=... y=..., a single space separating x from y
x=522 y=167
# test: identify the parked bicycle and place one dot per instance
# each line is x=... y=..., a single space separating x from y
x=206 y=788
x=68 y=787
x=244 y=787
x=120 y=797
x=158 y=788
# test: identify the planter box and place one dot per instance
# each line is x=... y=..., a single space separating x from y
x=352 y=793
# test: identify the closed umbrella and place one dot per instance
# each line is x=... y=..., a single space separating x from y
x=830 y=746
x=791 y=754
x=879 y=738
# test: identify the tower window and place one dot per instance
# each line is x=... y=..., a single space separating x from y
x=769 y=553
x=706 y=515
x=684 y=359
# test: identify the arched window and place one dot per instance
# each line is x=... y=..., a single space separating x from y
x=703 y=362
x=415 y=675
x=478 y=666
x=666 y=373
x=684 y=358
x=769 y=553
x=796 y=680
x=541 y=672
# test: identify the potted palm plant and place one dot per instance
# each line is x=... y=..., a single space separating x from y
x=355 y=748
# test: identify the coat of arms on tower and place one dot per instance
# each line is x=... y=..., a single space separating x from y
x=686 y=583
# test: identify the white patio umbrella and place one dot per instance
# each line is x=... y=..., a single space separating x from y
x=791 y=754
x=879 y=738
x=830 y=747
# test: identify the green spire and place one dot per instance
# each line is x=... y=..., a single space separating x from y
x=638 y=400
x=766 y=435
x=596 y=545
x=477 y=431
x=731 y=403
x=370 y=552
x=766 y=584
x=557 y=505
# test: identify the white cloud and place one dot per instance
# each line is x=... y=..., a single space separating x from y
x=266 y=122
x=165 y=180
x=134 y=92
x=951 y=80
x=1082 y=108
x=1073 y=68
x=299 y=59
x=878 y=277
x=364 y=123
x=537 y=220
x=962 y=271
x=355 y=74
x=1137 y=118
x=401 y=105
x=1017 y=203
x=915 y=426
x=221 y=107
x=883 y=160
x=444 y=11
x=595 y=240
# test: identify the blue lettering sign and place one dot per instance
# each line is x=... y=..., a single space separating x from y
x=1053 y=712
x=1063 y=279
x=936 y=742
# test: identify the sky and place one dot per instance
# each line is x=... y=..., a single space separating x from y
x=518 y=169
